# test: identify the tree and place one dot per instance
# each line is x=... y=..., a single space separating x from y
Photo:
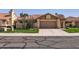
x=26 y=23
x=23 y=19
x=30 y=23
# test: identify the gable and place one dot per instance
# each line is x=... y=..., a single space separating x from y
x=47 y=16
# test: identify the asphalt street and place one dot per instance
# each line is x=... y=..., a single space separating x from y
x=39 y=42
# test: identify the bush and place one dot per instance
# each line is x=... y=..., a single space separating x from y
x=30 y=23
x=1 y=29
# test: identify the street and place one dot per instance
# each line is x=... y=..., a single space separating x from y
x=38 y=42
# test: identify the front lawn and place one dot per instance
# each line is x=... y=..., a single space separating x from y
x=31 y=30
x=72 y=30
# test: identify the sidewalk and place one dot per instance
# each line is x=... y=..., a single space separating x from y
x=42 y=32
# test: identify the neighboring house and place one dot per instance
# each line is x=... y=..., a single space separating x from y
x=72 y=21
x=7 y=20
x=45 y=21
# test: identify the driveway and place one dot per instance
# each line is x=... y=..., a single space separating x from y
x=52 y=32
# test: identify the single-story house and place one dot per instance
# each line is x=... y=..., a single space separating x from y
x=45 y=21
x=72 y=21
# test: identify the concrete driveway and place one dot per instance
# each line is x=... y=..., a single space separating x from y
x=51 y=32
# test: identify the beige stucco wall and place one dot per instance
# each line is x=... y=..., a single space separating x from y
x=58 y=23
x=18 y=25
x=73 y=23
x=2 y=23
x=35 y=25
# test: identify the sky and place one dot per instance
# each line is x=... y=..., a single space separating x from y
x=65 y=12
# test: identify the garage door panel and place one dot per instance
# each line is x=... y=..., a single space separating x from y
x=48 y=24
x=77 y=24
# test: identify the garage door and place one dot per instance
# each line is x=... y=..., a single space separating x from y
x=48 y=24
x=77 y=24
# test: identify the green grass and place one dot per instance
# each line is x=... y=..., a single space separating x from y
x=31 y=30
x=72 y=30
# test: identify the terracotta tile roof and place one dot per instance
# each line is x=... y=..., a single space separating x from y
x=60 y=16
x=4 y=16
x=70 y=18
x=34 y=16
x=47 y=14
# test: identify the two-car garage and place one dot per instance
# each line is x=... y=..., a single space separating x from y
x=48 y=24
x=48 y=21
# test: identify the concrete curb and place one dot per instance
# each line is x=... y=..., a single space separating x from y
x=36 y=34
